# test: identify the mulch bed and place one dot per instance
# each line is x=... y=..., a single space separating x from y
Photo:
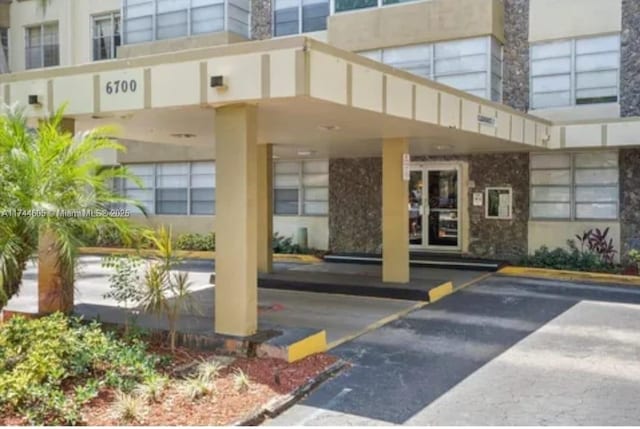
x=270 y=379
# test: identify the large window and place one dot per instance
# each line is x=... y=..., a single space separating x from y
x=174 y=188
x=574 y=186
x=471 y=65
x=347 y=5
x=573 y=72
x=301 y=188
x=189 y=188
x=147 y=20
x=42 y=46
x=106 y=36
x=299 y=16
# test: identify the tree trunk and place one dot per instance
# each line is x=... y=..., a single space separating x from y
x=55 y=277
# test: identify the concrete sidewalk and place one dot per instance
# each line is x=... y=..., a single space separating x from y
x=341 y=316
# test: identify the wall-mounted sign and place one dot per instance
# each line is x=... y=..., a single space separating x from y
x=489 y=121
x=406 y=167
x=499 y=203
x=477 y=199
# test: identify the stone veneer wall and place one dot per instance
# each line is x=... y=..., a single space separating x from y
x=261 y=18
x=355 y=205
x=355 y=202
x=629 y=200
x=515 y=83
x=630 y=59
x=503 y=239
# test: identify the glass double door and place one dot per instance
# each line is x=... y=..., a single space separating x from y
x=434 y=216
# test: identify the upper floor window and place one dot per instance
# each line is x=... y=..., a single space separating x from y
x=574 y=72
x=346 y=5
x=299 y=16
x=471 y=65
x=106 y=36
x=4 y=60
x=574 y=186
x=147 y=20
x=42 y=46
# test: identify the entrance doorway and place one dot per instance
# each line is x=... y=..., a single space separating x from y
x=434 y=210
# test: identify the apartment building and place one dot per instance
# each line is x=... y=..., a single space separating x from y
x=534 y=108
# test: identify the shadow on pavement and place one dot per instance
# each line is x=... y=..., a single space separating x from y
x=401 y=368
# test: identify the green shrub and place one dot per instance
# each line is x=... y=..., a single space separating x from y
x=193 y=241
x=286 y=245
x=40 y=359
x=572 y=259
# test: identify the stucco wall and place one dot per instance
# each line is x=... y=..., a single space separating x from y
x=630 y=59
x=558 y=19
x=355 y=205
x=515 y=81
x=415 y=22
x=287 y=226
x=629 y=200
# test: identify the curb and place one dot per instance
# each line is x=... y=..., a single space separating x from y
x=191 y=254
x=565 y=275
x=279 y=404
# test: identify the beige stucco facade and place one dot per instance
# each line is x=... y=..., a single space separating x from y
x=562 y=19
x=416 y=22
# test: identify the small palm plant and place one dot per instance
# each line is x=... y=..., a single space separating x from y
x=46 y=172
x=165 y=292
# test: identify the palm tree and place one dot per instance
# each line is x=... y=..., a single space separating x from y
x=46 y=175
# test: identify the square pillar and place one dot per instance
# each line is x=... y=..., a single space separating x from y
x=236 y=303
x=265 y=208
x=55 y=279
x=395 y=218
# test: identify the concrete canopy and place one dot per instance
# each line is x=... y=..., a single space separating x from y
x=310 y=97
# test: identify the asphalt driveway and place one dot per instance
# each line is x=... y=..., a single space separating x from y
x=504 y=351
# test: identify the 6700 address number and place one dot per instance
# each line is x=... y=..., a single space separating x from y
x=121 y=86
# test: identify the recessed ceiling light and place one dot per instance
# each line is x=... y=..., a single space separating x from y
x=443 y=147
x=305 y=152
x=328 y=127
x=183 y=135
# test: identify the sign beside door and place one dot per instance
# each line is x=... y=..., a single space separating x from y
x=406 y=167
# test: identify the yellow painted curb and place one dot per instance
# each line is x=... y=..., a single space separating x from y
x=190 y=254
x=439 y=292
x=316 y=343
x=570 y=275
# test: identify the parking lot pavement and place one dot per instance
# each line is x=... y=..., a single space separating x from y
x=506 y=351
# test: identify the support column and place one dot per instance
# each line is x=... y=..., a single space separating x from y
x=236 y=302
x=265 y=208
x=395 y=218
x=55 y=279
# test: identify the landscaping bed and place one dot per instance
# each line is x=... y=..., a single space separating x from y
x=61 y=371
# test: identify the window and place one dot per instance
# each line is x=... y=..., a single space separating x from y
x=143 y=193
x=499 y=203
x=471 y=65
x=301 y=187
x=175 y=188
x=172 y=183
x=42 y=48
x=106 y=36
x=147 y=20
x=299 y=16
x=4 y=40
x=203 y=188
x=574 y=186
x=574 y=72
